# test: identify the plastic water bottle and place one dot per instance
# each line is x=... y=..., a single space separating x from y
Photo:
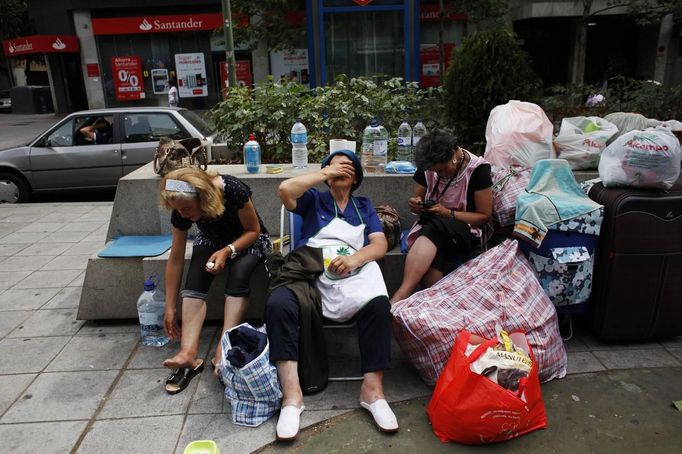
x=299 y=145
x=374 y=147
x=418 y=132
x=252 y=155
x=150 y=310
x=405 y=150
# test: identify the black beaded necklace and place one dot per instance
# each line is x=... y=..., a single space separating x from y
x=459 y=167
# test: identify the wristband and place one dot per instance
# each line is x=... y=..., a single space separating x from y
x=452 y=214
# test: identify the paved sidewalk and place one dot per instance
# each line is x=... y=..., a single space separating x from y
x=24 y=127
x=75 y=386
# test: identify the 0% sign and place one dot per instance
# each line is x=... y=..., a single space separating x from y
x=132 y=79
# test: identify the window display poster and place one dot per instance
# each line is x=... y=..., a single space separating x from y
x=160 y=81
x=429 y=59
x=128 y=81
x=191 y=71
x=290 y=66
x=242 y=73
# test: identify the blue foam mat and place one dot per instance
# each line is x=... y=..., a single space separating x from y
x=137 y=246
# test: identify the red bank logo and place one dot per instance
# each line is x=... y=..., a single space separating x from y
x=58 y=44
x=145 y=26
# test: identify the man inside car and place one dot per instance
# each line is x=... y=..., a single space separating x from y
x=99 y=132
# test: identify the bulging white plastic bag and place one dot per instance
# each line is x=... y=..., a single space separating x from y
x=518 y=134
x=642 y=159
x=582 y=139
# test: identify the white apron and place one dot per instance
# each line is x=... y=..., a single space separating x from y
x=343 y=297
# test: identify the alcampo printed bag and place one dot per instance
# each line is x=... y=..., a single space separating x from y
x=469 y=408
x=582 y=139
x=642 y=159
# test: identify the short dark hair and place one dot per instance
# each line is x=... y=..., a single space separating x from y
x=435 y=148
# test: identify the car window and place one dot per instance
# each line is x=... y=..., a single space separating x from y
x=198 y=122
x=93 y=129
x=151 y=127
x=62 y=136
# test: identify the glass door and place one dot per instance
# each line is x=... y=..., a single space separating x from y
x=364 y=44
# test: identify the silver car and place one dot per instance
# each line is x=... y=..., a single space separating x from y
x=94 y=149
x=5 y=101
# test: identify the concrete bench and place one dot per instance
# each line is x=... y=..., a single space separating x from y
x=112 y=285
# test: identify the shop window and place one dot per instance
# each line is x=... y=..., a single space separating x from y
x=151 y=127
x=365 y=44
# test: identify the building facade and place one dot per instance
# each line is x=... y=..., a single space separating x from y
x=128 y=52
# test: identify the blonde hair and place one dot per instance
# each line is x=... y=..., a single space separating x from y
x=210 y=197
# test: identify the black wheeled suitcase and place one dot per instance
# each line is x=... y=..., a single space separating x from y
x=637 y=287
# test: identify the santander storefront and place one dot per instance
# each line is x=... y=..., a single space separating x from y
x=140 y=56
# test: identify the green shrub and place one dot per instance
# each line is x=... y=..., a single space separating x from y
x=341 y=110
x=564 y=101
x=648 y=98
x=488 y=69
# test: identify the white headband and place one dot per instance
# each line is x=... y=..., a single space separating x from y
x=179 y=186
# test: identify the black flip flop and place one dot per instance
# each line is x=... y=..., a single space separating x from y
x=219 y=376
x=180 y=378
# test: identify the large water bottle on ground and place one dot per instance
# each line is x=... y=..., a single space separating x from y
x=150 y=309
x=418 y=132
x=374 y=147
x=405 y=150
x=299 y=145
x=252 y=155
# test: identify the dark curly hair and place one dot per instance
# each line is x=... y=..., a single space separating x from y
x=435 y=148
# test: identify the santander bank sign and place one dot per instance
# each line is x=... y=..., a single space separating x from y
x=157 y=24
x=170 y=25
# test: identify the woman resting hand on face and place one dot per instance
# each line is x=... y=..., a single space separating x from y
x=342 y=236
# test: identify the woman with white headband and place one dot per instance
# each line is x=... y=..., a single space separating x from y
x=231 y=235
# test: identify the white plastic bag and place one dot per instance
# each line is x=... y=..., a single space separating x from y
x=642 y=159
x=518 y=133
x=626 y=122
x=582 y=139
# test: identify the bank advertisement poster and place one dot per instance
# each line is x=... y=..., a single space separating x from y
x=429 y=60
x=290 y=66
x=128 y=81
x=242 y=73
x=191 y=73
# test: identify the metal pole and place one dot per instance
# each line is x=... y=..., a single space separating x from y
x=229 y=44
x=441 y=51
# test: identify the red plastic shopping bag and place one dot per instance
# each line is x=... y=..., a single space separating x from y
x=469 y=408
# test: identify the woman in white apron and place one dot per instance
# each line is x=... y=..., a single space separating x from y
x=454 y=198
x=351 y=237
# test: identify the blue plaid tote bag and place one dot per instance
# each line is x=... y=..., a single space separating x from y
x=252 y=388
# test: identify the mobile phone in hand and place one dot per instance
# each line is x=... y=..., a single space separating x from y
x=428 y=203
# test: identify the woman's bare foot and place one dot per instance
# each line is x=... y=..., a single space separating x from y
x=180 y=361
x=217 y=358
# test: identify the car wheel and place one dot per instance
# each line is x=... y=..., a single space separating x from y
x=13 y=188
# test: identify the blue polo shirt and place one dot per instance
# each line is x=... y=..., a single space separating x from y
x=317 y=210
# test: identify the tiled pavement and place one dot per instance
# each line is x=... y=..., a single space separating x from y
x=69 y=385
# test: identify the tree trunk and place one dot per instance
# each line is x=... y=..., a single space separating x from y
x=580 y=54
x=664 y=40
